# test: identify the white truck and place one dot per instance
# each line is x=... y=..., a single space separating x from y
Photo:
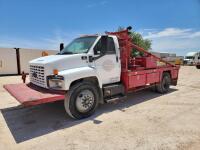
x=189 y=58
x=93 y=69
x=197 y=60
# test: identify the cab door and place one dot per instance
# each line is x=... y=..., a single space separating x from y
x=106 y=60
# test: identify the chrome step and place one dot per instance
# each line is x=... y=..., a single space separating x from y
x=116 y=98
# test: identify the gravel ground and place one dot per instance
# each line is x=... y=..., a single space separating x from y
x=145 y=120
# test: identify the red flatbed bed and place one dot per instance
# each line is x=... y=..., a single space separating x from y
x=30 y=95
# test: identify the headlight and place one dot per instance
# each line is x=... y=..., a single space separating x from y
x=55 y=82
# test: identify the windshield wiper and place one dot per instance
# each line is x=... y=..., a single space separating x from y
x=66 y=53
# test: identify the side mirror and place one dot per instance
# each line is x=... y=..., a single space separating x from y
x=61 y=46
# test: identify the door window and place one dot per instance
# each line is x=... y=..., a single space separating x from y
x=111 y=46
x=110 y=49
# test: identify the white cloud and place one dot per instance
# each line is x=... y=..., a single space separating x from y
x=175 y=40
x=47 y=42
x=169 y=32
x=195 y=34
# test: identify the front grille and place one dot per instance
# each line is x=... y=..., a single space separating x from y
x=37 y=75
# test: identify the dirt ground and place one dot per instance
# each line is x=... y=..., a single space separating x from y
x=145 y=120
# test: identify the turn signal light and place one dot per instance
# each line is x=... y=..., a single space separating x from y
x=55 y=71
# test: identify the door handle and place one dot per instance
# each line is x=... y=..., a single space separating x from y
x=83 y=57
x=117 y=59
x=91 y=58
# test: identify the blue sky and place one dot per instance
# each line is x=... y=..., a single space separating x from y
x=172 y=25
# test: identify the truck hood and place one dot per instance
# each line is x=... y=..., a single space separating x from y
x=49 y=59
x=60 y=62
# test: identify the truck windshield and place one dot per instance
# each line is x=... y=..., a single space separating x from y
x=79 y=45
x=189 y=57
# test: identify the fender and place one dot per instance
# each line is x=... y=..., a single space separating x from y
x=71 y=75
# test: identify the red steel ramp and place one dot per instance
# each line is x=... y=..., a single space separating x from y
x=29 y=94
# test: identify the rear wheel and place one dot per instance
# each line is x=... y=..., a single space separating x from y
x=198 y=66
x=81 y=100
x=164 y=85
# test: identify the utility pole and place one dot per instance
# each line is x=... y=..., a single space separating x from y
x=18 y=60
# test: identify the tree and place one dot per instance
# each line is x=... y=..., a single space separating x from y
x=138 y=40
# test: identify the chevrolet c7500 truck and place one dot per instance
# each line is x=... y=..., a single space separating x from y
x=95 y=69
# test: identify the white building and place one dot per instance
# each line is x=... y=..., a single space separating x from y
x=14 y=61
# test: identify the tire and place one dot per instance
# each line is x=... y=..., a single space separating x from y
x=164 y=86
x=198 y=66
x=81 y=100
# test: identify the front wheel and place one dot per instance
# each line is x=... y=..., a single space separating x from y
x=164 y=85
x=81 y=100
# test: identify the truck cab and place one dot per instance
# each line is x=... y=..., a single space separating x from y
x=95 y=56
x=89 y=61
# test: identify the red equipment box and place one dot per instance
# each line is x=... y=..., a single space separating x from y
x=149 y=62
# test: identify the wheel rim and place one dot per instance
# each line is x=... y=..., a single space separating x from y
x=84 y=101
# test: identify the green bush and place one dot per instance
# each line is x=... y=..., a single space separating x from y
x=138 y=40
